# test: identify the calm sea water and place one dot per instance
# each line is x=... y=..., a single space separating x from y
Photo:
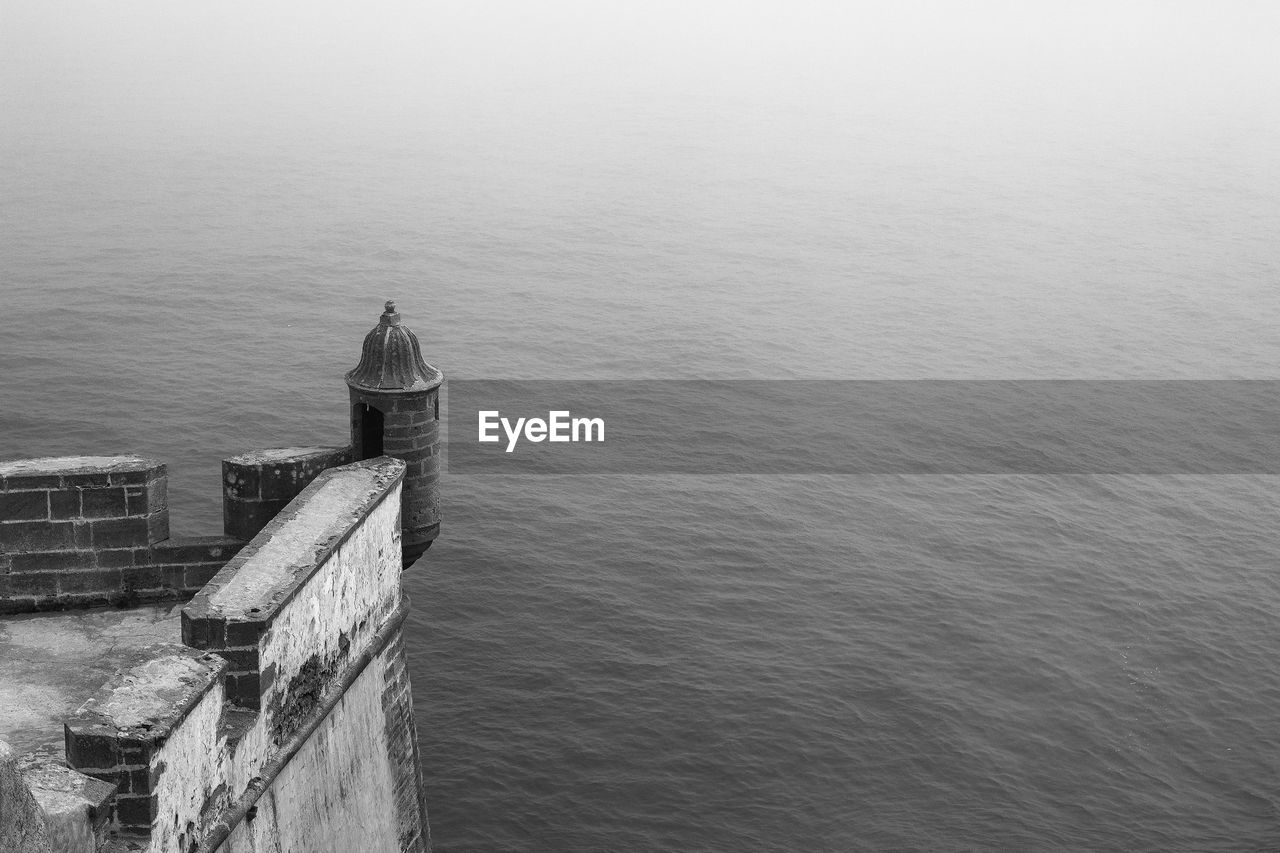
x=722 y=663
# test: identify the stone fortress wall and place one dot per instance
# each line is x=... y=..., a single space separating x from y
x=279 y=715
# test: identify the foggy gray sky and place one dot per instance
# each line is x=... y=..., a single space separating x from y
x=155 y=66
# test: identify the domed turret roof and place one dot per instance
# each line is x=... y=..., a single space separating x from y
x=391 y=359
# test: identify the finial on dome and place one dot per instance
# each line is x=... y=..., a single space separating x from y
x=389 y=315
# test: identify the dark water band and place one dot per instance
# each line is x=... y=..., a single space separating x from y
x=872 y=427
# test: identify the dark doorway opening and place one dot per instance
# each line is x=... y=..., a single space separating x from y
x=369 y=431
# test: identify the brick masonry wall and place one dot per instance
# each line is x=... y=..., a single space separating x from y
x=84 y=531
x=411 y=432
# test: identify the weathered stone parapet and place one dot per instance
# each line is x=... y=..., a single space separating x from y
x=312 y=585
x=155 y=721
x=257 y=485
x=82 y=503
x=319 y=709
x=89 y=530
x=298 y=689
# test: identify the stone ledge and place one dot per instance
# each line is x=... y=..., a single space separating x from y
x=141 y=705
x=266 y=573
x=116 y=733
x=56 y=472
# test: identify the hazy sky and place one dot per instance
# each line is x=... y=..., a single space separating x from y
x=148 y=66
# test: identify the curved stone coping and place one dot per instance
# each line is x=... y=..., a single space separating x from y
x=75 y=464
x=59 y=471
x=271 y=455
x=266 y=573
